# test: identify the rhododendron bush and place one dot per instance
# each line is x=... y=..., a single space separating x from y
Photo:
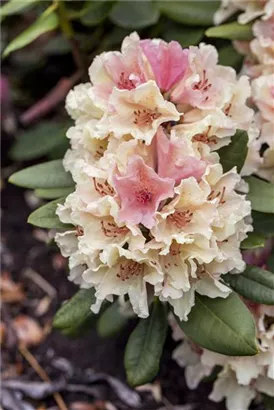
x=162 y=197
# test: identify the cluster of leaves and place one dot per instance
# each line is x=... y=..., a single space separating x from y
x=221 y=325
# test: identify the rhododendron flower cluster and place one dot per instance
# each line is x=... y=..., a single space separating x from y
x=153 y=213
x=241 y=378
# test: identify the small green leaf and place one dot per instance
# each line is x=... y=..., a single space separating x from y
x=199 y=13
x=263 y=223
x=75 y=312
x=53 y=193
x=186 y=36
x=230 y=57
x=254 y=240
x=111 y=321
x=45 y=216
x=38 y=141
x=47 y=175
x=222 y=325
x=96 y=12
x=231 y=31
x=254 y=284
x=134 y=14
x=261 y=195
x=45 y=23
x=268 y=402
x=145 y=346
x=15 y=6
x=235 y=153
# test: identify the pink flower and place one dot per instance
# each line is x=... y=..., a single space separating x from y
x=168 y=61
x=172 y=163
x=141 y=190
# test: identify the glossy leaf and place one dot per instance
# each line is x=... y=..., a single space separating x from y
x=263 y=223
x=235 y=153
x=47 y=175
x=186 y=36
x=261 y=195
x=45 y=216
x=231 y=31
x=222 y=325
x=134 y=14
x=254 y=284
x=254 y=240
x=111 y=321
x=53 y=193
x=96 y=12
x=75 y=312
x=15 y=7
x=145 y=346
x=38 y=141
x=199 y=13
x=45 y=23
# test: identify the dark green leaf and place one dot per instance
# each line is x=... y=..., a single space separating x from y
x=231 y=31
x=261 y=195
x=145 y=346
x=134 y=14
x=254 y=284
x=268 y=402
x=270 y=263
x=47 y=175
x=228 y=56
x=235 y=153
x=45 y=216
x=76 y=312
x=15 y=7
x=254 y=240
x=46 y=22
x=59 y=151
x=199 y=13
x=186 y=36
x=263 y=223
x=96 y=12
x=53 y=193
x=39 y=140
x=222 y=325
x=111 y=321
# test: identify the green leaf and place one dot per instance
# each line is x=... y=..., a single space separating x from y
x=46 y=22
x=222 y=325
x=263 y=223
x=145 y=346
x=199 y=13
x=228 y=56
x=268 y=402
x=45 y=216
x=254 y=284
x=75 y=312
x=231 y=31
x=59 y=151
x=134 y=14
x=261 y=194
x=111 y=321
x=186 y=36
x=53 y=193
x=47 y=175
x=235 y=153
x=270 y=263
x=15 y=6
x=38 y=141
x=96 y=12
x=254 y=240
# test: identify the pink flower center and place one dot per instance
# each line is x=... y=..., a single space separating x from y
x=203 y=84
x=220 y=194
x=103 y=188
x=125 y=83
x=144 y=196
x=111 y=230
x=129 y=269
x=144 y=117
